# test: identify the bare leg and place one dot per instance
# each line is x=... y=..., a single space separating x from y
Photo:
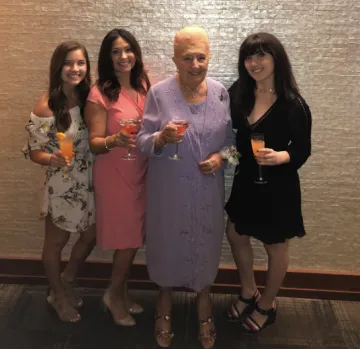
x=55 y=240
x=207 y=332
x=278 y=264
x=243 y=256
x=81 y=250
x=163 y=332
x=128 y=301
x=204 y=303
x=114 y=297
x=131 y=305
x=164 y=303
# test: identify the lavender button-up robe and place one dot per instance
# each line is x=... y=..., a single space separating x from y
x=184 y=222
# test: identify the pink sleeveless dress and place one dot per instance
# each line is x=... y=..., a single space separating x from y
x=119 y=184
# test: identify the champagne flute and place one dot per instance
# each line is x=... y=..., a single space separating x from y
x=130 y=127
x=258 y=142
x=66 y=145
x=181 y=127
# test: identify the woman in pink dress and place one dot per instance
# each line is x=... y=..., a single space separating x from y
x=119 y=184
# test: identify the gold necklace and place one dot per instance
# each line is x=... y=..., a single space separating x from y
x=264 y=90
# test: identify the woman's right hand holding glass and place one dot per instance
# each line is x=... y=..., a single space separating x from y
x=122 y=140
x=57 y=159
x=169 y=134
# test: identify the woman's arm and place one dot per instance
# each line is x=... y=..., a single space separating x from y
x=96 y=118
x=299 y=148
x=150 y=140
x=39 y=129
x=300 y=123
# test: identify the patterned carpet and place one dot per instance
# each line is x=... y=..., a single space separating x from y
x=27 y=323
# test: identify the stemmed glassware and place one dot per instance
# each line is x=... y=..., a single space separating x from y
x=181 y=127
x=66 y=145
x=258 y=142
x=130 y=126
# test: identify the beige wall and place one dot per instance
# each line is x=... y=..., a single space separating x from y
x=321 y=37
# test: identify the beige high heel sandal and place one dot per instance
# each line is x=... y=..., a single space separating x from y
x=127 y=321
x=135 y=309
x=64 y=310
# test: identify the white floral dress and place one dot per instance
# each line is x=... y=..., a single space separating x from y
x=69 y=201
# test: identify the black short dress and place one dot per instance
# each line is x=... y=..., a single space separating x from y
x=270 y=212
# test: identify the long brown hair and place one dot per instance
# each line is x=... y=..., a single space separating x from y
x=57 y=99
x=285 y=83
x=107 y=82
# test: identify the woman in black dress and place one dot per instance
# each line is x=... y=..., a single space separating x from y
x=265 y=99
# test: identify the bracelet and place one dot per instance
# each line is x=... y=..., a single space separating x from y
x=106 y=146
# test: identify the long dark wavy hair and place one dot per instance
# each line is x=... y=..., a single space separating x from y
x=57 y=100
x=285 y=83
x=107 y=81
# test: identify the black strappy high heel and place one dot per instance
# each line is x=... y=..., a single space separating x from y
x=232 y=313
x=251 y=326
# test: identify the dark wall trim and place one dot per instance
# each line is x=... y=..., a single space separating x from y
x=298 y=283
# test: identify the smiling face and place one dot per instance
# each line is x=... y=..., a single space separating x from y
x=74 y=68
x=260 y=66
x=191 y=56
x=122 y=56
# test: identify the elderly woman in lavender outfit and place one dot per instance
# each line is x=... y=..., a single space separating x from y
x=185 y=198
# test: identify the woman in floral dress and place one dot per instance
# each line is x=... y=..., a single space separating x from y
x=67 y=196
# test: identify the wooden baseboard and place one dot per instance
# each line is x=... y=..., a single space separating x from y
x=297 y=284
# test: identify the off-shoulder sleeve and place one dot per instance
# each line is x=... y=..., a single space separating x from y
x=97 y=97
x=41 y=134
x=150 y=125
x=300 y=123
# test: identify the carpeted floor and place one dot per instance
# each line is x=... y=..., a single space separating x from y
x=27 y=323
